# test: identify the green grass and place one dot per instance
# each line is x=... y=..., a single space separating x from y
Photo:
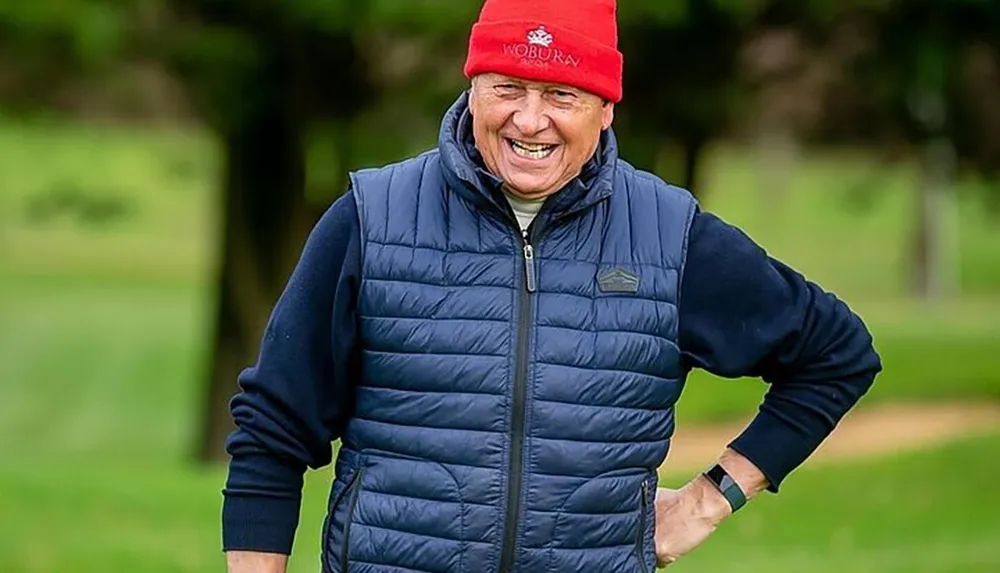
x=952 y=362
x=847 y=220
x=93 y=515
x=932 y=512
x=161 y=186
x=104 y=331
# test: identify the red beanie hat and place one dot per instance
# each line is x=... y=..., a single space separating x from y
x=572 y=42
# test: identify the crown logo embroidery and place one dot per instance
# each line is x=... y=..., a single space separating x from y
x=540 y=37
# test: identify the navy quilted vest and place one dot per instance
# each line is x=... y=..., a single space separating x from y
x=515 y=403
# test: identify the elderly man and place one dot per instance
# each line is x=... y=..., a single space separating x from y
x=499 y=329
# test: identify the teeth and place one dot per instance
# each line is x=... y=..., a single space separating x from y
x=531 y=146
x=532 y=150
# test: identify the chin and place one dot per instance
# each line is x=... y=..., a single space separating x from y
x=529 y=192
x=528 y=186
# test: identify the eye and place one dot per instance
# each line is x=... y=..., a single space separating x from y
x=563 y=96
x=507 y=89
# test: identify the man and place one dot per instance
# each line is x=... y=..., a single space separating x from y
x=498 y=331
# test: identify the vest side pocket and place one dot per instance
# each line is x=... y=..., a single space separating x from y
x=337 y=524
x=602 y=511
x=644 y=517
x=355 y=489
x=403 y=494
x=323 y=542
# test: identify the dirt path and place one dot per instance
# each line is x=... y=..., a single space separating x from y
x=867 y=433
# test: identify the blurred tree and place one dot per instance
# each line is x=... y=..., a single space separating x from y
x=46 y=45
x=261 y=73
x=920 y=80
x=279 y=80
x=681 y=88
x=924 y=47
x=266 y=76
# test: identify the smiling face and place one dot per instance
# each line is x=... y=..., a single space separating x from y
x=535 y=136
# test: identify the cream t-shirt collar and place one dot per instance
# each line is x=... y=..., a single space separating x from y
x=524 y=209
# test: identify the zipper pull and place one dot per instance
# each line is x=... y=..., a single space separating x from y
x=529 y=262
x=645 y=492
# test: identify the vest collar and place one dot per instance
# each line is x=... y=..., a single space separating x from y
x=467 y=175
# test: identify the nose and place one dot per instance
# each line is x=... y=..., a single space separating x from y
x=531 y=117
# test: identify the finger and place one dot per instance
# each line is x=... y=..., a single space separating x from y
x=664 y=561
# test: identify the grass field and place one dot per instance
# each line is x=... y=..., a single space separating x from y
x=105 y=250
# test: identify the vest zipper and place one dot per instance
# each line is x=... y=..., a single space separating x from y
x=640 y=540
x=516 y=466
x=529 y=262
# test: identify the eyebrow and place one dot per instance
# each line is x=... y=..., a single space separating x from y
x=539 y=86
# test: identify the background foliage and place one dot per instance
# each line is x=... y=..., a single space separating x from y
x=162 y=160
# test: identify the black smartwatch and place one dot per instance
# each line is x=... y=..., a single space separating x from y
x=725 y=483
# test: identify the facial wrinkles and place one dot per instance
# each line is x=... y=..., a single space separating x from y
x=533 y=141
x=531 y=118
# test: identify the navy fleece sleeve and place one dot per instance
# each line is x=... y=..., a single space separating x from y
x=293 y=401
x=743 y=313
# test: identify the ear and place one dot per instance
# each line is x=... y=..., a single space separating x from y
x=472 y=96
x=607 y=115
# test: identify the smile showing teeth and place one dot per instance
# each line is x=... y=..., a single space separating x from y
x=531 y=150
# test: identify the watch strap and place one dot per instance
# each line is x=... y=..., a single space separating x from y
x=726 y=485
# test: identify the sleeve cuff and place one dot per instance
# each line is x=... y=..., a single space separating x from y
x=264 y=524
x=774 y=447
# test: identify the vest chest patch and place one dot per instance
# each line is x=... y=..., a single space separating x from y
x=618 y=280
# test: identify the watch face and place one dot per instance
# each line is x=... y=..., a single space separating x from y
x=718 y=476
x=727 y=485
x=728 y=482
